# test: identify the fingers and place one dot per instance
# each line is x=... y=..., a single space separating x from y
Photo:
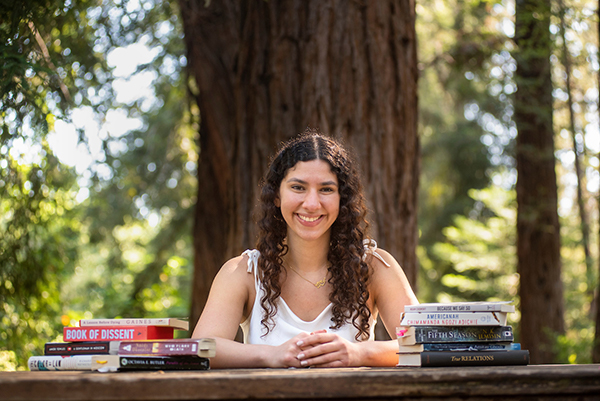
x=323 y=349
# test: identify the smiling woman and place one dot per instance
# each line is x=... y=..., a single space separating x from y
x=310 y=293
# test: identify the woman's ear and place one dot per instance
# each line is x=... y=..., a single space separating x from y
x=277 y=201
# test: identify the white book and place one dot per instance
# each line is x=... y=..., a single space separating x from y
x=74 y=362
x=179 y=324
x=453 y=319
x=500 y=306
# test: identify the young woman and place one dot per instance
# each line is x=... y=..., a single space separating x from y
x=310 y=293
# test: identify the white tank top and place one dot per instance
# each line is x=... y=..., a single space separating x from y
x=287 y=324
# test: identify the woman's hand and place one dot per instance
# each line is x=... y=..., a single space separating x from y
x=327 y=350
x=286 y=354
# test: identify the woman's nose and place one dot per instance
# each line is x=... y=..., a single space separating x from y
x=312 y=201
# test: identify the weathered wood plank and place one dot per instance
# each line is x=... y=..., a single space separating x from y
x=581 y=382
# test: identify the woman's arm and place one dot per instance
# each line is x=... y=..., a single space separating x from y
x=390 y=291
x=228 y=304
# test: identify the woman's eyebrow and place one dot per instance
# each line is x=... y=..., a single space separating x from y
x=325 y=183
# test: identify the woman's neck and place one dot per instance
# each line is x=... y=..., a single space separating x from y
x=307 y=256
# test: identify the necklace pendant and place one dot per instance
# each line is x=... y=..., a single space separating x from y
x=320 y=283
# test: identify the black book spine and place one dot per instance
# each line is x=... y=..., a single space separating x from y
x=163 y=363
x=478 y=358
x=78 y=348
x=447 y=334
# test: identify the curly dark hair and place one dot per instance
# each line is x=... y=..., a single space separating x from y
x=349 y=273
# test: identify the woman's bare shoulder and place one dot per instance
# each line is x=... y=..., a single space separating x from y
x=235 y=269
x=389 y=278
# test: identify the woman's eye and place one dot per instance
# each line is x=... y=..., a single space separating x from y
x=297 y=187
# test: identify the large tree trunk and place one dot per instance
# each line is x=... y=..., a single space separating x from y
x=265 y=70
x=538 y=231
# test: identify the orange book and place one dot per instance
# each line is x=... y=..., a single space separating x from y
x=117 y=333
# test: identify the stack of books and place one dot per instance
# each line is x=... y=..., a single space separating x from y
x=111 y=345
x=458 y=334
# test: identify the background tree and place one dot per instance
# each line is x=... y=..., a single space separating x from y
x=538 y=231
x=266 y=70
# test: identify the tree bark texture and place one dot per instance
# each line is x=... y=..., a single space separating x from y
x=266 y=70
x=538 y=231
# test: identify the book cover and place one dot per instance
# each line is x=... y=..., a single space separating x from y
x=178 y=324
x=465 y=346
x=464 y=358
x=501 y=306
x=116 y=333
x=204 y=347
x=82 y=348
x=453 y=319
x=112 y=363
x=452 y=334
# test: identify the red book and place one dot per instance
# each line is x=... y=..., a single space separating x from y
x=117 y=333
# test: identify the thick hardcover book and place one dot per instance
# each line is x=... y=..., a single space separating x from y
x=502 y=346
x=204 y=347
x=452 y=334
x=453 y=319
x=502 y=306
x=116 y=333
x=82 y=348
x=112 y=363
x=179 y=324
x=464 y=358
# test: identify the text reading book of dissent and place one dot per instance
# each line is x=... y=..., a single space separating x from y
x=453 y=319
x=464 y=358
x=452 y=334
x=108 y=333
x=501 y=306
x=179 y=324
x=111 y=363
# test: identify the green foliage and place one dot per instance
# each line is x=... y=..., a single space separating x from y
x=139 y=218
x=479 y=252
x=126 y=249
x=37 y=249
x=576 y=344
x=461 y=107
x=465 y=119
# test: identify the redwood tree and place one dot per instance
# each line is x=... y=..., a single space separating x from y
x=265 y=70
x=538 y=231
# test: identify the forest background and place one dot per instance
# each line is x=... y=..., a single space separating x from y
x=98 y=163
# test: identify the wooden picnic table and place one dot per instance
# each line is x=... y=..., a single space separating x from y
x=534 y=382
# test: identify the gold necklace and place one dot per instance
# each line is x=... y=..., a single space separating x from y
x=319 y=283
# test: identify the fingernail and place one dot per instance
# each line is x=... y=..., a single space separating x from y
x=303 y=363
x=300 y=343
x=300 y=356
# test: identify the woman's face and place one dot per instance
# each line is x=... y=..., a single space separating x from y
x=309 y=199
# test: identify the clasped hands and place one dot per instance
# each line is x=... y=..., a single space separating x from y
x=320 y=349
